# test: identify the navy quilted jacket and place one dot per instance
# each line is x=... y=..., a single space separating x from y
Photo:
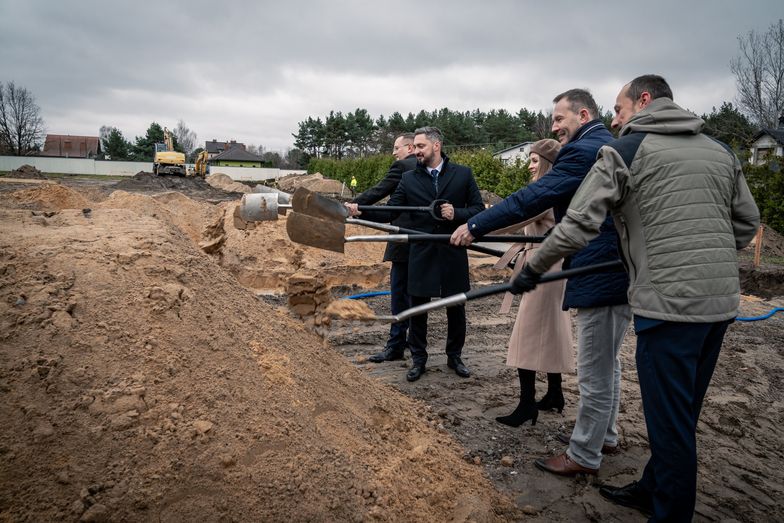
x=555 y=190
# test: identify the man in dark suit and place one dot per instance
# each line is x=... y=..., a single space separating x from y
x=437 y=269
x=397 y=253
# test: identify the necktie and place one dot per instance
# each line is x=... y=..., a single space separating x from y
x=434 y=174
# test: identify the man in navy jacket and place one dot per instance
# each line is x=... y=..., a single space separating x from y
x=603 y=312
x=397 y=253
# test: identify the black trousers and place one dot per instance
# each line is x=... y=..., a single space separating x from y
x=400 y=301
x=675 y=362
x=417 y=335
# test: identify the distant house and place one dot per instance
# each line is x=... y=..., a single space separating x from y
x=510 y=154
x=236 y=157
x=768 y=143
x=215 y=148
x=69 y=146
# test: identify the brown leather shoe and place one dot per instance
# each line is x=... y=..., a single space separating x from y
x=606 y=449
x=563 y=465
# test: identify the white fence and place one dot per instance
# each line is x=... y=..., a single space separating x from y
x=104 y=167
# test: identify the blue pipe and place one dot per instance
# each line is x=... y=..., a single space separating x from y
x=764 y=316
x=367 y=295
x=387 y=293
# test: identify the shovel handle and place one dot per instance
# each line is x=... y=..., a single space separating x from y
x=395 y=229
x=489 y=290
x=426 y=237
x=434 y=208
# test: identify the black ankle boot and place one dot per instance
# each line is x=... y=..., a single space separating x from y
x=521 y=414
x=552 y=400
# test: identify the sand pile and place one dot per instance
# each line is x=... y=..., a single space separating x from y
x=171 y=207
x=141 y=382
x=50 y=196
x=315 y=182
x=263 y=257
x=225 y=183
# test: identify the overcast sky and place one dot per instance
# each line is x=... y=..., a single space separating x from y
x=251 y=70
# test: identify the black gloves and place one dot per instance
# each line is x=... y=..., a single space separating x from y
x=525 y=281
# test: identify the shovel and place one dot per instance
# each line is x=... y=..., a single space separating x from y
x=394 y=229
x=330 y=235
x=313 y=204
x=459 y=299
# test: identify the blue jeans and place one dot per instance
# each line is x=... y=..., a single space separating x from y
x=600 y=333
x=675 y=363
x=400 y=301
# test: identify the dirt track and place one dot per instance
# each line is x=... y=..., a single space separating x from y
x=143 y=377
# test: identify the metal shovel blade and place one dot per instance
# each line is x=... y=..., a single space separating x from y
x=312 y=204
x=316 y=232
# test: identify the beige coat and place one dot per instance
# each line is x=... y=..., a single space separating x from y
x=542 y=334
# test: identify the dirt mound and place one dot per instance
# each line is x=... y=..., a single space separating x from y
x=315 y=182
x=171 y=207
x=225 y=183
x=27 y=171
x=261 y=256
x=763 y=281
x=50 y=196
x=772 y=243
x=192 y=185
x=141 y=382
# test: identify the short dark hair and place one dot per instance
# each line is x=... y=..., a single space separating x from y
x=579 y=99
x=654 y=84
x=406 y=136
x=433 y=134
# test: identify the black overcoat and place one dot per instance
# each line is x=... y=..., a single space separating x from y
x=438 y=269
x=395 y=252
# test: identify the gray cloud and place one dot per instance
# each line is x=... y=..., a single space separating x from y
x=252 y=70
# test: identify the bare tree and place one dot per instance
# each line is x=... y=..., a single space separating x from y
x=185 y=137
x=543 y=126
x=21 y=126
x=759 y=74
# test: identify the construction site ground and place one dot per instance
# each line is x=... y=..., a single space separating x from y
x=162 y=359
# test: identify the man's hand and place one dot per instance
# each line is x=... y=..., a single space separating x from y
x=447 y=211
x=353 y=209
x=525 y=281
x=461 y=236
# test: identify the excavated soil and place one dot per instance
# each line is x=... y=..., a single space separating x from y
x=159 y=360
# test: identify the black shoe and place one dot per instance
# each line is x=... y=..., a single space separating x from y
x=388 y=354
x=415 y=372
x=521 y=414
x=552 y=400
x=632 y=496
x=457 y=364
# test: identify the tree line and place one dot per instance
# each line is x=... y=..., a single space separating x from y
x=357 y=134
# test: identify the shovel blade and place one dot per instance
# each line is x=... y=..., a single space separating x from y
x=316 y=232
x=313 y=204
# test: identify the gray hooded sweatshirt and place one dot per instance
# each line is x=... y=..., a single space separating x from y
x=682 y=208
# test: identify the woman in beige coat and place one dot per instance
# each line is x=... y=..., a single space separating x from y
x=542 y=334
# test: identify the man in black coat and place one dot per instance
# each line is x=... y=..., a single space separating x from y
x=437 y=269
x=397 y=253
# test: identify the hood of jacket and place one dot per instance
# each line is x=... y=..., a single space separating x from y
x=663 y=116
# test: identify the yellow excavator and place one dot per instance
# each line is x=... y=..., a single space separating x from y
x=167 y=160
x=200 y=166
